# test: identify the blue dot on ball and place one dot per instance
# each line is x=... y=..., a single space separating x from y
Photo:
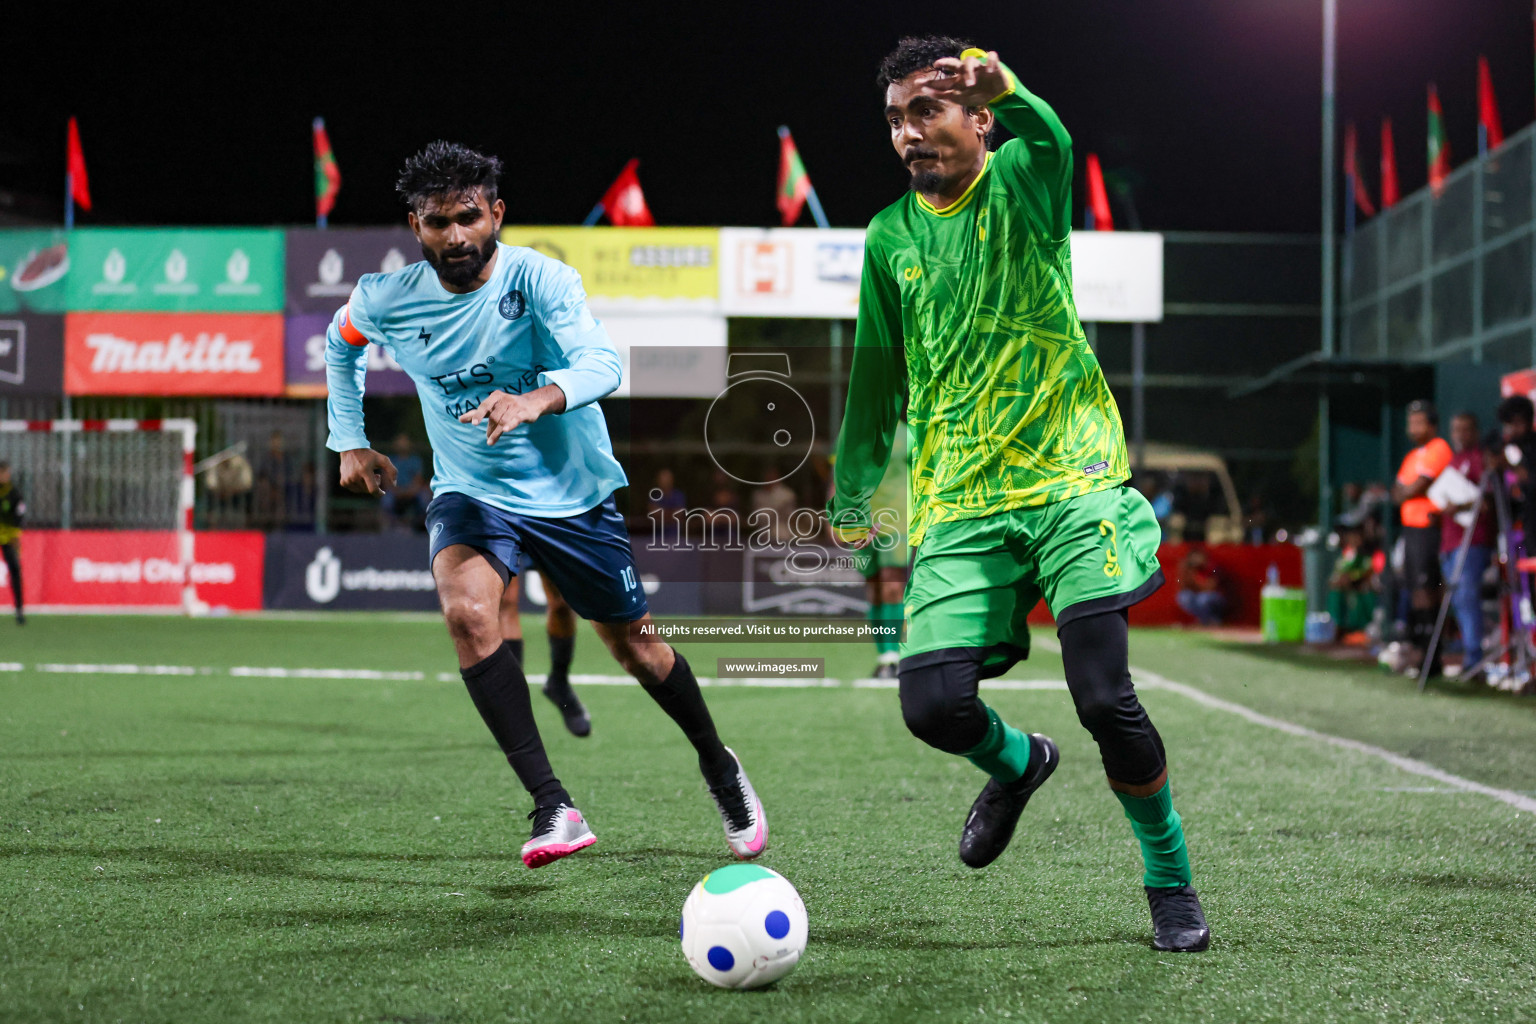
x=720 y=958
x=777 y=923
x=679 y=929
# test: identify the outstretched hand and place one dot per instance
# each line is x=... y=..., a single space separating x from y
x=971 y=81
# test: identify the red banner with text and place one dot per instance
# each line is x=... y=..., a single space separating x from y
x=136 y=569
x=173 y=354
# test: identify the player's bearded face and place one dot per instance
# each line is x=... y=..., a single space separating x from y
x=458 y=238
x=937 y=140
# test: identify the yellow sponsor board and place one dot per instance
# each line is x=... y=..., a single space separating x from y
x=634 y=268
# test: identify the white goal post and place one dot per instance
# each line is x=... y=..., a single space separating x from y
x=109 y=474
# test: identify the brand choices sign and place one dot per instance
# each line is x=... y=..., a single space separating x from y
x=173 y=354
x=131 y=568
x=347 y=571
x=210 y=269
x=323 y=266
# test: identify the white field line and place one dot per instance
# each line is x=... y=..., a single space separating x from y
x=1144 y=677
x=325 y=673
x=12 y=666
x=120 y=670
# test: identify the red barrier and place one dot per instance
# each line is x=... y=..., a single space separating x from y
x=1242 y=569
x=136 y=569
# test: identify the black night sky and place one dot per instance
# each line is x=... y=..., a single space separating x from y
x=1208 y=109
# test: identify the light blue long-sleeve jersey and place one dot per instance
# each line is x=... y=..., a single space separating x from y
x=526 y=327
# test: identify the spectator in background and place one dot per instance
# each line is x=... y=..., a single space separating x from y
x=1421 y=522
x=13 y=512
x=1351 y=591
x=1519 y=457
x=1196 y=502
x=274 y=476
x=779 y=500
x=1467 y=597
x=666 y=503
x=723 y=495
x=1200 y=589
x=409 y=498
x=1256 y=525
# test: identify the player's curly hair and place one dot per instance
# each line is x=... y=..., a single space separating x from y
x=914 y=53
x=447 y=169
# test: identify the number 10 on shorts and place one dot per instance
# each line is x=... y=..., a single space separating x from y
x=628 y=576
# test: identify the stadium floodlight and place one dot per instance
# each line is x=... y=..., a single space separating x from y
x=111 y=474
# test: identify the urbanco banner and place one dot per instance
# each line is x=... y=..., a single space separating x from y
x=323 y=266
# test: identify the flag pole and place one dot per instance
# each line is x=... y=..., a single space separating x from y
x=814 y=202
x=69 y=201
x=593 y=217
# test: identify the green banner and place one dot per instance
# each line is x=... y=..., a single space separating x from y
x=227 y=270
x=33 y=266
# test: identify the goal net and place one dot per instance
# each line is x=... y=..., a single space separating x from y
x=107 y=475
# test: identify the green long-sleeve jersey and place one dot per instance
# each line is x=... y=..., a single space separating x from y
x=966 y=313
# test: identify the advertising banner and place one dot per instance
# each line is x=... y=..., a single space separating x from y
x=656 y=270
x=136 y=569
x=304 y=357
x=31 y=355
x=1117 y=276
x=204 y=270
x=173 y=354
x=33 y=265
x=323 y=266
x=799 y=272
x=350 y=571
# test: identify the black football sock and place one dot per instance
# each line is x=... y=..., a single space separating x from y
x=679 y=697
x=500 y=693
x=517 y=649
x=561 y=649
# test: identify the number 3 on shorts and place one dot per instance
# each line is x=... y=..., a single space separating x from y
x=1112 y=552
x=628 y=576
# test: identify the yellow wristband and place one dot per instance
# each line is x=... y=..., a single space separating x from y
x=850 y=535
x=981 y=55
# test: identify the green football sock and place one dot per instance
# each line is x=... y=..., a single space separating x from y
x=888 y=616
x=1157 y=826
x=1003 y=753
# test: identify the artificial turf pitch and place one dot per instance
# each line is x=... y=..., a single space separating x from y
x=213 y=847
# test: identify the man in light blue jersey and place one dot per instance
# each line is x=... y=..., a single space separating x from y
x=510 y=365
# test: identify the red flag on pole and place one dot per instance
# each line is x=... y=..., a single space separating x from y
x=74 y=165
x=327 y=173
x=1389 y=190
x=624 y=202
x=794 y=183
x=1099 y=217
x=1488 y=107
x=1439 y=146
x=1352 y=169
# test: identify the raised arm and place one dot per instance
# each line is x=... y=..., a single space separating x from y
x=877 y=386
x=1039 y=165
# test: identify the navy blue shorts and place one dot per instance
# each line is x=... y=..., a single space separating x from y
x=587 y=555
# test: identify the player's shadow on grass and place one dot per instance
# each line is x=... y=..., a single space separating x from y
x=909 y=935
x=646 y=854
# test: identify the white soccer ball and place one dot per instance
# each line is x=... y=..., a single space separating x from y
x=743 y=926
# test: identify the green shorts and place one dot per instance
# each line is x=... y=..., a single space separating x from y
x=975 y=581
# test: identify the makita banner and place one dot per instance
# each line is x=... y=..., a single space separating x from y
x=31 y=355
x=173 y=354
x=323 y=266
x=350 y=570
x=304 y=357
x=33 y=263
x=205 y=270
x=135 y=569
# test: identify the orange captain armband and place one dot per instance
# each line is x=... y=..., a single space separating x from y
x=349 y=334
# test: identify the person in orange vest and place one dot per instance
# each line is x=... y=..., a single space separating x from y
x=1421 y=523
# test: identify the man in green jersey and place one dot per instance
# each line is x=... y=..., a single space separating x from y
x=1018 y=460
